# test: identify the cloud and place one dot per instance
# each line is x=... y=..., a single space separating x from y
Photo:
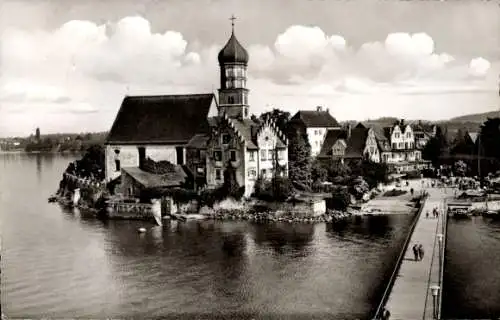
x=21 y=91
x=84 y=68
x=479 y=67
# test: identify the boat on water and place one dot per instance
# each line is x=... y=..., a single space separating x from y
x=461 y=214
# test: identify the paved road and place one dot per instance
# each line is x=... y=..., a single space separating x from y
x=410 y=297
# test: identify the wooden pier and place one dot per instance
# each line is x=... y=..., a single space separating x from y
x=412 y=296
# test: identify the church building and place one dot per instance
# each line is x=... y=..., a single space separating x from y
x=200 y=132
x=253 y=148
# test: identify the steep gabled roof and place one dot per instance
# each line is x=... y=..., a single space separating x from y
x=356 y=143
x=316 y=119
x=332 y=136
x=381 y=137
x=473 y=136
x=199 y=141
x=164 y=119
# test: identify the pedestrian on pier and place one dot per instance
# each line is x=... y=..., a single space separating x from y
x=415 y=251
x=385 y=314
x=420 y=252
x=427 y=214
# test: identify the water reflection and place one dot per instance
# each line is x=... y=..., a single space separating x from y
x=472 y=277
x=282 y=237
x=231 y=269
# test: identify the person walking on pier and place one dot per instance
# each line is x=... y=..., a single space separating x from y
x=420 y=252
x=427 y=214
x=415 y=251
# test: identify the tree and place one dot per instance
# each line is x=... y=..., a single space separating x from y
x=299 y=161
x=337 y=171
x=230 y=186
x=318 y=171
x=488 y=140
x=340 y=199
x=460 y=168
x=359 y=187
x=436 y=148
x=280 y=118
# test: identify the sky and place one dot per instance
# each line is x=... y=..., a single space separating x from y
x=65 y=66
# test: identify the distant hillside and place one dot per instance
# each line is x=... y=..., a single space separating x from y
x=477 y=117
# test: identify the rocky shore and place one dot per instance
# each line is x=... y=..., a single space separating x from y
x=250 y=215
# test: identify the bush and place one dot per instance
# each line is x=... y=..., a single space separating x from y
x=340 y=199
x=277 y=189
x=394 y=193
x=412 y=175
x=359 y=187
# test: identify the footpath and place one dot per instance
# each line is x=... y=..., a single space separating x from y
x=411 y=296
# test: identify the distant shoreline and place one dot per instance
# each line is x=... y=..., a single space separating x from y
x=39 y=152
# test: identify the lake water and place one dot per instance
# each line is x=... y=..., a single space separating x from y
x=61 y=264
x=472 y=270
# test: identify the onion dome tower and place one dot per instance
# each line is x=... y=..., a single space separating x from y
x=233 y=94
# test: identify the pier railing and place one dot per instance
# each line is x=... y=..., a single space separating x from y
x=401 y=256
x=444 y=232
x=432 y=308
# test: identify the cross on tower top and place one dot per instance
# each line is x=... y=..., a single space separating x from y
x=232 y=21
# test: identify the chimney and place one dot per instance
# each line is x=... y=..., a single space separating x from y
x=402 y=122
x=142 y=157
x=328 y=110
x=348 y=130
x=319 y=108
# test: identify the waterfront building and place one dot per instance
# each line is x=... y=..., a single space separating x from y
x=252 y=147
x=398 y=148
x=316 y=124
x=201 y=132
x=350 y=144
x=423 y=133
x=156 y=127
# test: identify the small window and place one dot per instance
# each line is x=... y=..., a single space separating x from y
x=252 y=173
x=218 y=155
x=226 y=138
x=230 y=100
x=263 y=173
x=232 y=154
x=200 y=170
x=394 y=145
x=251 y=156
x=117 y=165
x=117 y=151
x=218 y=174
x=246 y=112
x=270 y=155
x=280 y=155
x=228 y=84
x=198 y=154
x=263 y=154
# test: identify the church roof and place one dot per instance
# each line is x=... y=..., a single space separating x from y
x=316 y=119
x=233 y=52
x=166 y=119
